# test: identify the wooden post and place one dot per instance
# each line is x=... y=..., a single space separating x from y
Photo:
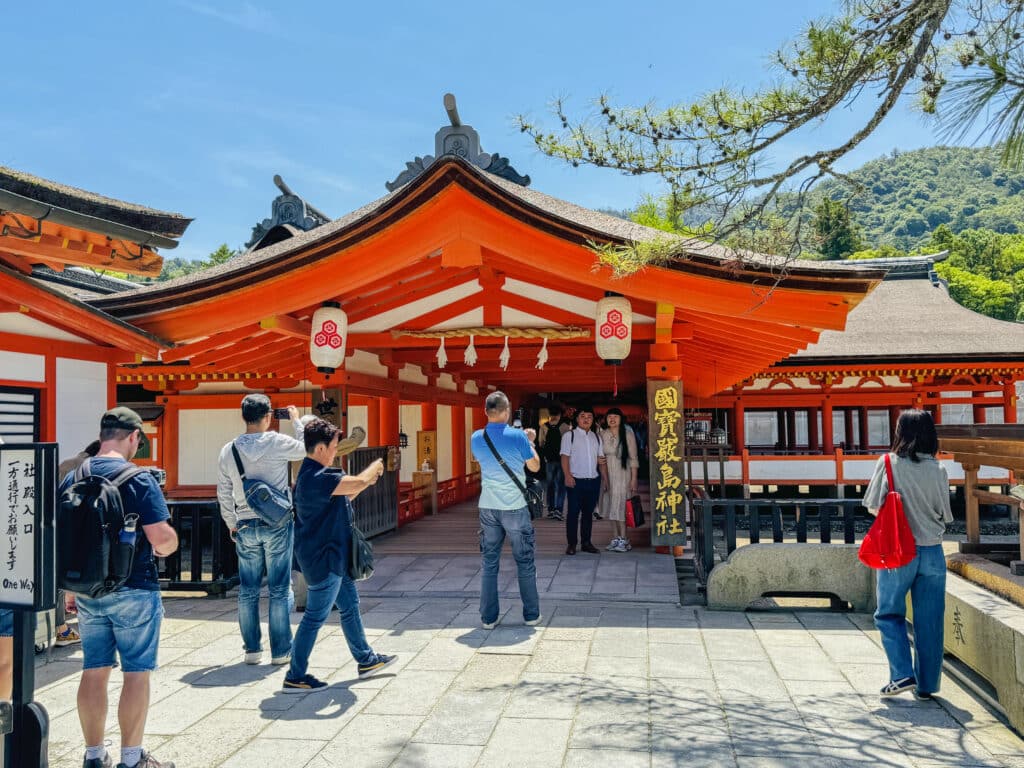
x=791 y=429
x=979 y=410
x=373 y=421
x=812 y=430
x=848 y=429
x=828 y=442
x=459 y=469
x=862 y=414
x=739 y=437
x=1010 y=406
x=971 y=504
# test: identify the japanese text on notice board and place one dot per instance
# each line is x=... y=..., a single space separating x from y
x=668 y=523
x=18 y=512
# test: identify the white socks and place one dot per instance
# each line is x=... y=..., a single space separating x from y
x=94 y=753
x=130 y=756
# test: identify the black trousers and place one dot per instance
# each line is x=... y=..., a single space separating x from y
x=582 y=500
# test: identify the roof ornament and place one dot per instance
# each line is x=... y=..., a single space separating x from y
x=462 y=141
x=287 y=210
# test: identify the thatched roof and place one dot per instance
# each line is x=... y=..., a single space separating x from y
x=91 y=204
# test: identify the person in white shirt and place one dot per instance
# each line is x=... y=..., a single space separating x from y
x=585 y=470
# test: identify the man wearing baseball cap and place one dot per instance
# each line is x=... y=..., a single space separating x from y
x=126 y=621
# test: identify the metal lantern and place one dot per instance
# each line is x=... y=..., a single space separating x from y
x=718 y=436
x=327 y=337
x=403 y=439
x=613 y=329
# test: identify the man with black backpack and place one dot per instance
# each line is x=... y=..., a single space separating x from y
x=112 y=521
x=264 y=545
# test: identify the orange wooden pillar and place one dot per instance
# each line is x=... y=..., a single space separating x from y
x=739 y=436
x=458 y=416
x=169 y=441
x=848 y=429
x=373 y=410
x=980 y=417
x=389 y=419
x=828 y=441
x=664 y=365
x=812 y=430
x=428 y=420
x=1009 y=403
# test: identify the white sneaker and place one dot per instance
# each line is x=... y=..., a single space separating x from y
x=278 y=661
x=489 y=624
x=626 y=544
x=612 y=545
x=620 y=545
x=534 y=622
x=253 y=657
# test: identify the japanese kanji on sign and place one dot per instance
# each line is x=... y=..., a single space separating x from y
x=668 y=494
x=27 y=505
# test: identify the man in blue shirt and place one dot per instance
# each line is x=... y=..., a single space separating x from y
x=323 y=538
x=126 y=621
x=503 y=509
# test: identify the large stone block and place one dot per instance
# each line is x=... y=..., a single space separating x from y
x=755 y=570
x=986 y=633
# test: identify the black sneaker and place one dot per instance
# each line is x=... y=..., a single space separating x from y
x=304 y=684
x=380 y=661
x=147 y=761
x=896 y=687
x=98 y=762
x=597 y=515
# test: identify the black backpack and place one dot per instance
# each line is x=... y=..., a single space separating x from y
x=552 y=444
x=93 y=558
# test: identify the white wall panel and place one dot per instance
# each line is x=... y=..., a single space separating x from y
x=410 y=420
x=81 y=401
x=201 y=435
x=444 y=443
x=17 y=322
x=18 y=366
x=359 y=416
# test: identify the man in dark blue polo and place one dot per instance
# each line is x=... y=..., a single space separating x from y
x=323 y=538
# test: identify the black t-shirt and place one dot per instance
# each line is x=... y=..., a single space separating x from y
x=141 y=495
x=323 y=532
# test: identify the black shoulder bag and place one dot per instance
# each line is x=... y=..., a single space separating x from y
x=269 y=504
x=531 y=491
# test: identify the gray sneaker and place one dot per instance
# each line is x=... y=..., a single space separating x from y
x=98 y=762
x=147 y=761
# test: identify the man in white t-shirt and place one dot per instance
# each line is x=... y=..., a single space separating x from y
x=583 y=465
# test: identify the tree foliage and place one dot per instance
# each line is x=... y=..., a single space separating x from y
x=178 y=267
x=835 y=233
x=715 y=153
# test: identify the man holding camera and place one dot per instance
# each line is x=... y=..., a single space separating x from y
x=264 y=455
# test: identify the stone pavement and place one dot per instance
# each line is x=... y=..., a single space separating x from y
x=602 y=682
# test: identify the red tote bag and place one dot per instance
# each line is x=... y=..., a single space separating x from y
x=889 y=543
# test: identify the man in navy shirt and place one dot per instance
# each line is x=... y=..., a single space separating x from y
x=126 y=621
x=323 y=537
x=503 y=509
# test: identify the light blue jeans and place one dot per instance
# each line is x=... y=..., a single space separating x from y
x=127 y=622
x=262 y=549
x=925 y=578
x=495 y=525
x=334 y=590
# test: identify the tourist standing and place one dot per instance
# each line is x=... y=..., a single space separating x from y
x=620 y=450
x=323 y=542
x=583 y=465
x=503 y=508
x=261 y=548
x=126 y=621
x=550 y=449
x=922 y=482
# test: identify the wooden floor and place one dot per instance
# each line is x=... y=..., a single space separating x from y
x=456 y=531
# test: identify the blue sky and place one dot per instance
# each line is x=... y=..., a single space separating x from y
x=193 y=105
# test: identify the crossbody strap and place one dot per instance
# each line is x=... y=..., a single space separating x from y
x=238 y=461
x=888 y=474
x=504 y=466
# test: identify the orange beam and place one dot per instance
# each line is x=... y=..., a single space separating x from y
x=187 y=351
x=286 y=325
x=75 y=252
x=362 y=308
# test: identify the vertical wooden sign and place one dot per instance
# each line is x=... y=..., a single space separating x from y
x=426 y=449
x=668 y=491
x=27 y=505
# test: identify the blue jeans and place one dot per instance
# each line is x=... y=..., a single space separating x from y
x=556 y=485
x=126 y=621
x=925 y=578
x=264 y=549
x=334 y=590
x=495 y=524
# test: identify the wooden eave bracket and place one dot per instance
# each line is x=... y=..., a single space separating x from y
x=286 y=325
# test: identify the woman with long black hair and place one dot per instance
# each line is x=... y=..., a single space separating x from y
x=922 y=482
x=623 y=460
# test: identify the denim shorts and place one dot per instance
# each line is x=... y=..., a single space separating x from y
x=6 y=622
x=126 y=621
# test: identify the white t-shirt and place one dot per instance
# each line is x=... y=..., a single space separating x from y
x=582 y=448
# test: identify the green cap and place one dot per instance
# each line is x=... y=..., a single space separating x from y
x=122 y=418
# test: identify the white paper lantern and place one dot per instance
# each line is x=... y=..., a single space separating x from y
x=613 y=329
x=327 y=337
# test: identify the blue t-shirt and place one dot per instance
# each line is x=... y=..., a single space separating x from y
x=497 y=491
x=323 y=532
x=141 y=495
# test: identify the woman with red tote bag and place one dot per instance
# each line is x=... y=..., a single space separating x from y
x=924 y=487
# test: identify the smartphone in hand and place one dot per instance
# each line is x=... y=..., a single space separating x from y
x=281 y=413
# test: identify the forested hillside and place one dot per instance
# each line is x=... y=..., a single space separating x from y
x=907 y=195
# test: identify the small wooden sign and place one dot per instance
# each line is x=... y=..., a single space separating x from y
x=426 y=448
x=28 y=474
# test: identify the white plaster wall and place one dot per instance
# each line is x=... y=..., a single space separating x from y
x=365 y=362
x=81 y=401
x=17 y=322
x=18 y=366
x=411 y=421
x=445 y=381
x=445 y=470
x=412 y=374
x=359 y=416
x=201 y=435
x=772 y=471
x=472 y=388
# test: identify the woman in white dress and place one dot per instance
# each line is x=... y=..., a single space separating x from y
x=623 y=462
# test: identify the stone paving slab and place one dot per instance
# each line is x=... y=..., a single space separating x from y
x=621 y=684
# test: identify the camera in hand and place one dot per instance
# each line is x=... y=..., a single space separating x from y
x=281 y=413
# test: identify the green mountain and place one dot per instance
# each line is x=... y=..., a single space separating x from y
x=906 y=195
